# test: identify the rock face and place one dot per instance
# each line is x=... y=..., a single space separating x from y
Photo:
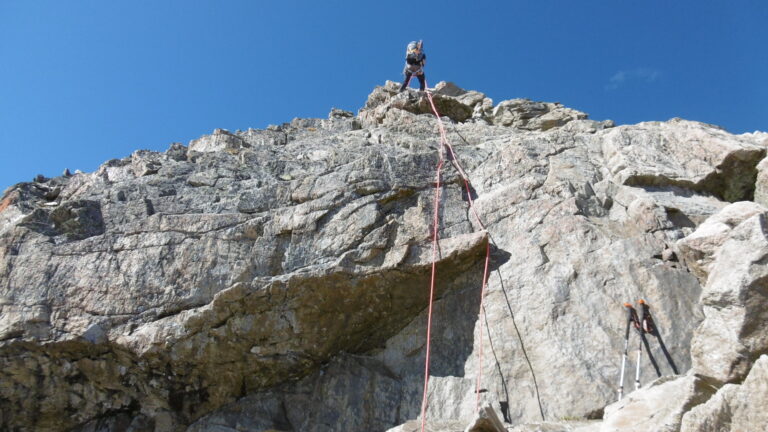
x=735 y=296
x=658 y=407
x=278 y=279
x=698 y=249
x=761 y=186
x=686 y=154
x=734 y=407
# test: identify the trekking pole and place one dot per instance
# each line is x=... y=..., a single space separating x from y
x=647 y=321
x=637 y=371
x=630 y=311
x=636 y=322
x=649 y=326
x=646 y=326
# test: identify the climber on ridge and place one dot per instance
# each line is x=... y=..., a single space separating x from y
x=415 y=59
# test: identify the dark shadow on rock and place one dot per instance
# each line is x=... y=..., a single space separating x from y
x=499 y=257
x=679 y=219
x=79 y=219
x=348 y=393
x=453 y=326
x=503 y=404
x=497 y=273
x=469 y=190
x=674 y=190
x=40 y=222
x=734 y=180
x=455 y=316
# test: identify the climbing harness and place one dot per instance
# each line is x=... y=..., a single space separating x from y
x=644 y=325
x=445 y=144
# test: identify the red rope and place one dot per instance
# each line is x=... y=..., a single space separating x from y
x=482 y=312
x=445 y=143
x=435 y=235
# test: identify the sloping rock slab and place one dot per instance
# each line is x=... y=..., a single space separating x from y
x=683 y=153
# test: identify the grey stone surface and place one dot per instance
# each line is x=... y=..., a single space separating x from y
x=461 y=105
x=735 y=299
x=278 y=278
x=458 y=426
x=530 y=115
x=684 y=153
x=698 y=249
x=658 y=407
x=486 y=420
x=734 y=407
x=559 y=426
x=432 y=426
x=761 y=185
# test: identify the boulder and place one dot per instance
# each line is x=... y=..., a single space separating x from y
x=698 y=249
x=530 y=115
x=735 y=407
x=144 y=162
x=559 y=426
x=657 y=407
x=735 y=300
x=388 y=97
x=219 y=140
x=177 y=152
x=431 y=426
x=761 y=183
x=682 y=153
x=486 y=420
x=461 y=105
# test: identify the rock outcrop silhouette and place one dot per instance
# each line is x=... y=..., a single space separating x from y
x=277 y=279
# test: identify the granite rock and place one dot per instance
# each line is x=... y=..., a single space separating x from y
x=735 y=299
x=735 y=407
x=278 y=278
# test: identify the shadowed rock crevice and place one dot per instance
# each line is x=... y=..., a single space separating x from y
x=252 y=338
x=736 y=178
x=80 y=219
x=684 y=154
x=365 y=382
x=733 y=180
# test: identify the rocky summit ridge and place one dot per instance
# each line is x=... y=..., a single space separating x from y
x=277 y=279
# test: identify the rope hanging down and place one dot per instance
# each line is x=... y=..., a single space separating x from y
x=445 y=144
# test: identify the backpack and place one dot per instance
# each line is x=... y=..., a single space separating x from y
x=411 y=57
x=413 y=45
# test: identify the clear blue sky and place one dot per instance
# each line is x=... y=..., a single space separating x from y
x=82 y=82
